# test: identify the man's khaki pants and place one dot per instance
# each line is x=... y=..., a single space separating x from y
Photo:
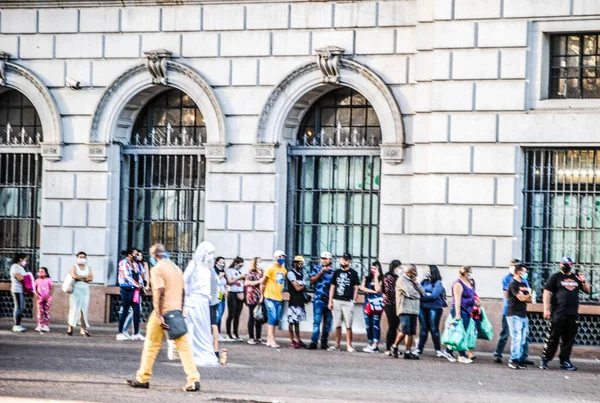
x=154 y=338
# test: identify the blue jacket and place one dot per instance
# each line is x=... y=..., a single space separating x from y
x=433 y=295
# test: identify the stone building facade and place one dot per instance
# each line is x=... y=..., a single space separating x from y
x=485 y=124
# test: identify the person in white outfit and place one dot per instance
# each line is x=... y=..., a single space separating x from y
x=197 y=279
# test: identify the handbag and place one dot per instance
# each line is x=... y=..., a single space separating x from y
x=136 y=296
x=260 y=313
x=176 y=322
x=374 y=306
x=68 y=284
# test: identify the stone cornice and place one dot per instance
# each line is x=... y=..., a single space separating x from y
x=123 y=3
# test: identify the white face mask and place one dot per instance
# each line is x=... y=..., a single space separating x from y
x=470 y=276
x=81 y=260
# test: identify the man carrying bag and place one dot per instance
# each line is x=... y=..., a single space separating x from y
x=167 y=300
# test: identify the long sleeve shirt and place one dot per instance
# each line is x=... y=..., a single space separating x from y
x=126 y=275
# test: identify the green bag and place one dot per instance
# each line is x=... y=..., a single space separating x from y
x=471 y=336
x=486 y=330
x=454 y=334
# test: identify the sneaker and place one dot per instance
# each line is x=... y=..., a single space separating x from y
x=543 y=364
x=260 y=341
x=324 y=346
x=123 y=337
x=498 y=360
x=465 y=360
x=515 y=365
x=395 y=351
x=301 y=344
x=440 y=354
x=192 y=387
x=252 y=342
x=312 y=346
x=39 y=328
x=138 y=337
x=369 y=349
x=135 y=384
x=351 y=349
x=16 y=329
x=567 y=366
x=526 y=362
x=46 y=328
x=22 y=329
x=238 y=339
x=293 y=344
x=388 y=353
x=418 y=352
x=449 y=356
x=410 y=356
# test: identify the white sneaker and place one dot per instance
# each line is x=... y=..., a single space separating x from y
x=138 y=337
x=440 y=354
x=464 y=360
x=16 y=329
x=22 y=329
x=39 y=328
x=222 y=339
x=123 y=337
x=46 y=328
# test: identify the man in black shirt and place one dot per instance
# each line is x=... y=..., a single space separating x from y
x=296 y=308
x=561 y=305
x=343 y=292
x=516 y=316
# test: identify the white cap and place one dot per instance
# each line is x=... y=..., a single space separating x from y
x=326 y=255
x=278 y=253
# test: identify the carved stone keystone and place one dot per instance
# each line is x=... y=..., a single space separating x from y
x=328 y=60
x=157 y=65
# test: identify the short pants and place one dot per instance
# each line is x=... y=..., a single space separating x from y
x=408 y=324
x=273 y=311
x=213 y=314
x=343 y=312
x=296 y=314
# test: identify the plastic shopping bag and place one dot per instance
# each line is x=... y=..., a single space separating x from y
x=486 y=330
x=454 y=335
x=471 y=335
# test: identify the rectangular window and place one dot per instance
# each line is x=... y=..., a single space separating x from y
x=575 y=66
x=20 y=205
x=334 y=206
x=562 y=199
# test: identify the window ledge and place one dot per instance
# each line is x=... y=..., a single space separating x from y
x=566 y=104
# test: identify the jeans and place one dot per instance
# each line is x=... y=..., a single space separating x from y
x=234 y=311
x=154 y=337
x=429 y=320
x=220 y=310
x=127 y=301
x=19 y=301
x=253 y=325
x=519 y=329
x=373 y=329
x=393 y=322
x=563 y=329
x=321 y=313
x=503 y=339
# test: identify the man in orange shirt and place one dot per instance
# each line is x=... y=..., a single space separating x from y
x=272 y=292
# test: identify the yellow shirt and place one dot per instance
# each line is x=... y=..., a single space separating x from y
x=274 y=284
x=170 y=277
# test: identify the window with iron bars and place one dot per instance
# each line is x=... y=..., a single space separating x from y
x=333 y=185
x=163 y=178
x=562 y=214
x=20 y=180
x=575 y=66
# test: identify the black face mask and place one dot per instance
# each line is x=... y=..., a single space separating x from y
x=566 y=269
x=344 y=265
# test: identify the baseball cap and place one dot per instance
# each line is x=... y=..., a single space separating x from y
x=298 y=258
x=279 y=253
x=347 y=256
x=567 y=261
x=326 y=255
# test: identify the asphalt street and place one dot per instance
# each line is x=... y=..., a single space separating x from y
x=57 y=367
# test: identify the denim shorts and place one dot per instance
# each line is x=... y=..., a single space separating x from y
x=408 y=324
x=273 y=311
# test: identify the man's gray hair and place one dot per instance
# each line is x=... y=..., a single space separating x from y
x=159 y=249
x=409 y=267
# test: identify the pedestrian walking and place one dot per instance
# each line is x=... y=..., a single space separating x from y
x=43 y=290
x=219 y=269
x=79 y=301
x=343 y=294
x=561 y=307
x=519 y=295
x=131 y=283
x=252 y=284
x=235 y=299
x=505 y=332
x=197 y=284
x=296 y=307
x=272 y=294
x=320 y=279
x=408 y=297
x=433 y=303
x=389 y=305
x=371 y=286
x=167 y=297
x=17 y=271
x=463 y=301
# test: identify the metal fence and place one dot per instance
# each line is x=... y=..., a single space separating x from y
x=7 y=305
x=588 y=333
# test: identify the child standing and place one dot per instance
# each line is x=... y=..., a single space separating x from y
x=43 y=288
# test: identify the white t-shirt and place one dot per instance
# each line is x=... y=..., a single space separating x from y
x=16 y=286
x=238 y=286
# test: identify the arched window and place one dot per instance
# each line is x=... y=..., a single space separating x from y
x=163 y=177
x=20 y=179
x=334 y=180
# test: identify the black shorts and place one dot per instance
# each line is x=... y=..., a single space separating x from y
x=213 y=314
x=408 y=324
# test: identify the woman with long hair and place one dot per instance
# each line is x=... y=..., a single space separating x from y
x=235 y=298
x=17 y=271
x=131 y=282
x=389 y=305
x=219 y=269
x=252 y=283
x=371 y=286
x=79 y=301
x=463 y=301
x=432 y=308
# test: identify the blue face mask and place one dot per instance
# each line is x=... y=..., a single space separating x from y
x=281 y=261
x=525 y=276
x=153 y=261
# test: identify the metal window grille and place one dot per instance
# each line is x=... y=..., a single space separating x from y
x=333 y=185
x=562 y=215
x=575 y=66
x=163 y=178
x=588 y=333
x=20 y=180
